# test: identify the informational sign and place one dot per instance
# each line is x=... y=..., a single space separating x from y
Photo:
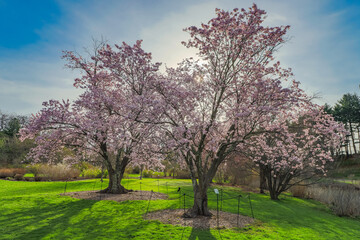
x=216 y=191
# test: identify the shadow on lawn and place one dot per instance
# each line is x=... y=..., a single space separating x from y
x=203 y=234
x=293 y=214
x=44 y=218
x=66 y=218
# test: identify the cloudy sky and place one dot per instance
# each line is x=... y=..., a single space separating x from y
x=323 y=50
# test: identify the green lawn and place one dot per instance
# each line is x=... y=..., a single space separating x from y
x=35 y=210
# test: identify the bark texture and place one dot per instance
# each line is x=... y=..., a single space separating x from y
x=200 y=207
x=116 y=170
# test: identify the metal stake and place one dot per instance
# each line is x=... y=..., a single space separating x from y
x=140 y=190
x=217 y=209
x=184 y=202
x=100 y=188
x=221 y=197
x=65 y=187
x=252 y=213
x=238 y=211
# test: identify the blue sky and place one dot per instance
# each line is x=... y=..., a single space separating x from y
x=324 y=49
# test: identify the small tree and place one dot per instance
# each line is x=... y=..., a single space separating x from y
x=110 y=118
x=297 y=148
x=12 y=151
x=12 y=127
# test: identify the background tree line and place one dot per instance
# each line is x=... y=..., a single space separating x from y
x=12 y=150
x=347 y=111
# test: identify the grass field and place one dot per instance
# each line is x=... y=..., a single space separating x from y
x=35 y=210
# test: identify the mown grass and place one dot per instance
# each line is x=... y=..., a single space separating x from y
x=35 y=210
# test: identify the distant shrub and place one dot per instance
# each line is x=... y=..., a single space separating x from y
x=157 y=174
x=253 y=181
x=238 y=171
x=134 y=170
x=11 y=172
x=342 y=198
x=147 y=173
x=345 y=202
x=21 y=171
x=57 y=172
x=34 y=169
x=82 y=166
x=18 y=177
x=6 y=172
x=182 y=174
x=94 y=173
x=299 y=191
x=38 y=178
x=221 y=176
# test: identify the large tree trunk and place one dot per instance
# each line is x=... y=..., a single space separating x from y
x=272 y=183
x=201 y=175
x=115 y=169
x=115 y=177
x=200 y=207
x=115 y=184
x=274 y=195
x=280 y=183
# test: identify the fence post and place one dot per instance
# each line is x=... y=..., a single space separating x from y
x=140 y=190
x=252 y=213
x=217 y=209
x=100 y=188
x=221 y=199
x=65 y=187
x=238 y=211
x=184 y=202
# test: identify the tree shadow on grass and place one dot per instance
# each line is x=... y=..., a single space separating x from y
x=54 y=217
x=201 y=234
x=41 y=218
x=293 y=215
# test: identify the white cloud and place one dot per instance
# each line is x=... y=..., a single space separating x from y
x=25 y=98
x=164 y=38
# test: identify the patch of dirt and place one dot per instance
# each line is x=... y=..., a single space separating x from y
x=174 y=217
x=135 y=195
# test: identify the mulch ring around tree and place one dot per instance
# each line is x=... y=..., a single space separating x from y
x=135 y=195
x=174 y=217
